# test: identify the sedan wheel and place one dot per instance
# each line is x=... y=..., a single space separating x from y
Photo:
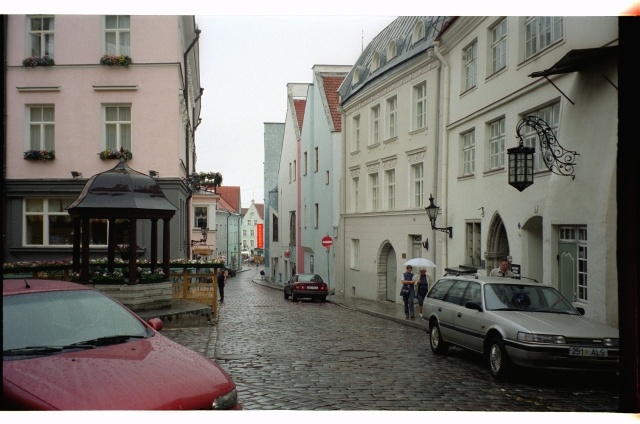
x=499 y=363
x=286 y=296
x=438 y=346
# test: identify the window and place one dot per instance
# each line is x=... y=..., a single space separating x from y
x=375 y=61
x=469 y=153
x=541 y=32
x=373 y=191
x=316 y=160
x=355 y=141
x=420 y=105
x=295 y=170
x=573 y=251
x=41 y=37
x=392 y=49
x=470 y=59
x=392 y=117
x=418 y=32
x=274 y=228
x=496 y=144
x=200 y=216
x=416 y=245
x=290 y=172
x=292 y=228
x=117 y=127
x=390 y=177
x=252 y=233
x=305 y=163
x=326 y=177
x=417 y=185
x=316 y=217
x=551 y=115
x=244 y=233
x=473 y=256
x=117 y=35
x=354 y=194
x=375 y=125
x=499 y=46
x=355 y=253
x=42 y=128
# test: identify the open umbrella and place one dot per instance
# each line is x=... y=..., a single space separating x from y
x=420 y=263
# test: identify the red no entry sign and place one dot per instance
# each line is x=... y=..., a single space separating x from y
x=327 y=241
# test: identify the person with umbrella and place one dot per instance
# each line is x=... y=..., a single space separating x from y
x=408 y=292
x=422 y=282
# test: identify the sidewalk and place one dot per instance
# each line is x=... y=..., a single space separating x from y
x=386 y=310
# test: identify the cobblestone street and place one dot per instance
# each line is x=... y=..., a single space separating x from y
x=322 y=356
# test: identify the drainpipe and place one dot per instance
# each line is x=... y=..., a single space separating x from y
x=445 y=149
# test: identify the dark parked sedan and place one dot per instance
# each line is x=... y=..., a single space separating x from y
x=69 y=347
x=517 y=323
x=308 y=286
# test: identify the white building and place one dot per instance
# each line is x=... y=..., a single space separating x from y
x=253 y=229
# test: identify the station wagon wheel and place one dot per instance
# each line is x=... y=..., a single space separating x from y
x=499 y=363
x=438 y=346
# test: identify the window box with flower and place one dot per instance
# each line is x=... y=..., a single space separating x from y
x=115 y=60
x=148 y=276
x=115 y=154
x=104 y=277
x=34 y=61
x=43 y=155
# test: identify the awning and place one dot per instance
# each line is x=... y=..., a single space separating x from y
x=578 y=60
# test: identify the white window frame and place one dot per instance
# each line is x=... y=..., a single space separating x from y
x=316 y=217
x=355 y=254
x=551 y=115
x=305 y=163
x=578 y=235
x=122 y=128
x=46 y=216
x=418 y=32
x=420 y=105
x=390 y=178
x=469 y=152
x=375 y=125
x=541 y=32
x=496 y=144
x=374 y=190
x=499 y=46
x=417 y=185
x=470 y=61
x=295 y=171
x=316 y=165
x=355 y=182
x=200 y=208
x=473 y=240
x=355 y=140
x=392 y=117
x=41 y=129
x=41 y=41
x=117 y=39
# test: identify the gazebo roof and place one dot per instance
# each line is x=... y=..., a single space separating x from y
x=122 y=192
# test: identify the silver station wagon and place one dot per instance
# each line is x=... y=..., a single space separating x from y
x=516 y=323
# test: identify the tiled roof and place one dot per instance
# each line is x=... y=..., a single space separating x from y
x=224 y=206
x=331 y=85
x=231 y=194
x=299 y=105
x=260 y=209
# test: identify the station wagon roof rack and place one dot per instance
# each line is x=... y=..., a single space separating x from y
x=461 y=270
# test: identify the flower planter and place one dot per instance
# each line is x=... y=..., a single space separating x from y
x=149 y=280
x=125 y=255
x=109 y=281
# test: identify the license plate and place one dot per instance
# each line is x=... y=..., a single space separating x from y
x=588 y=351
x=312 y=287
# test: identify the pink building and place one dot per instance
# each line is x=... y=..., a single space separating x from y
x=82 y=90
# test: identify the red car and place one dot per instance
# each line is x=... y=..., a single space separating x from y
x=67 y=346
x=306 y=286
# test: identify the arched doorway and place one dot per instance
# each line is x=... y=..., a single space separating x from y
x=532 y=248
x=497 y=243
x=387 y=273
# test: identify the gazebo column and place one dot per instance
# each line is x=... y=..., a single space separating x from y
x=133 y=251
x=84 y=270
x=77 y=230
x=111 y=247
x=154 y=244
x=166 y=245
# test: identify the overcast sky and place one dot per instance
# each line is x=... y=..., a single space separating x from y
x=251 y=50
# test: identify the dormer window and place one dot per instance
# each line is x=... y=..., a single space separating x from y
x=418 y=32
x=357 y=75
x=392 y=49
x=375 y=61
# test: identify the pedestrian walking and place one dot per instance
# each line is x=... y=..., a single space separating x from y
x=408 y=292
x=221 y=279
x=422 y=282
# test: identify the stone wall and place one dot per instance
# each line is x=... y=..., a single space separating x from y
x=140 y=297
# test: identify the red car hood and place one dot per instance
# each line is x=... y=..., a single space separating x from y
x=154 y=373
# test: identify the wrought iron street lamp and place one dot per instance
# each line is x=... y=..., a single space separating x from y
x=432 y=212
x=556 y=158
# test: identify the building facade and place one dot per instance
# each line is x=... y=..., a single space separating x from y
x=253 y=229
x=130 y=87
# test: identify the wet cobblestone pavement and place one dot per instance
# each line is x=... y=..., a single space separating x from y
x=313 y=356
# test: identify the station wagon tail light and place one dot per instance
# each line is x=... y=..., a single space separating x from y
x=540 y=338
x=611 y=342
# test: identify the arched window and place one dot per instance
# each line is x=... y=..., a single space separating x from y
x=418 y=32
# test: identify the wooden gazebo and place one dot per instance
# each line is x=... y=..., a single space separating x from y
x=121 y=193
